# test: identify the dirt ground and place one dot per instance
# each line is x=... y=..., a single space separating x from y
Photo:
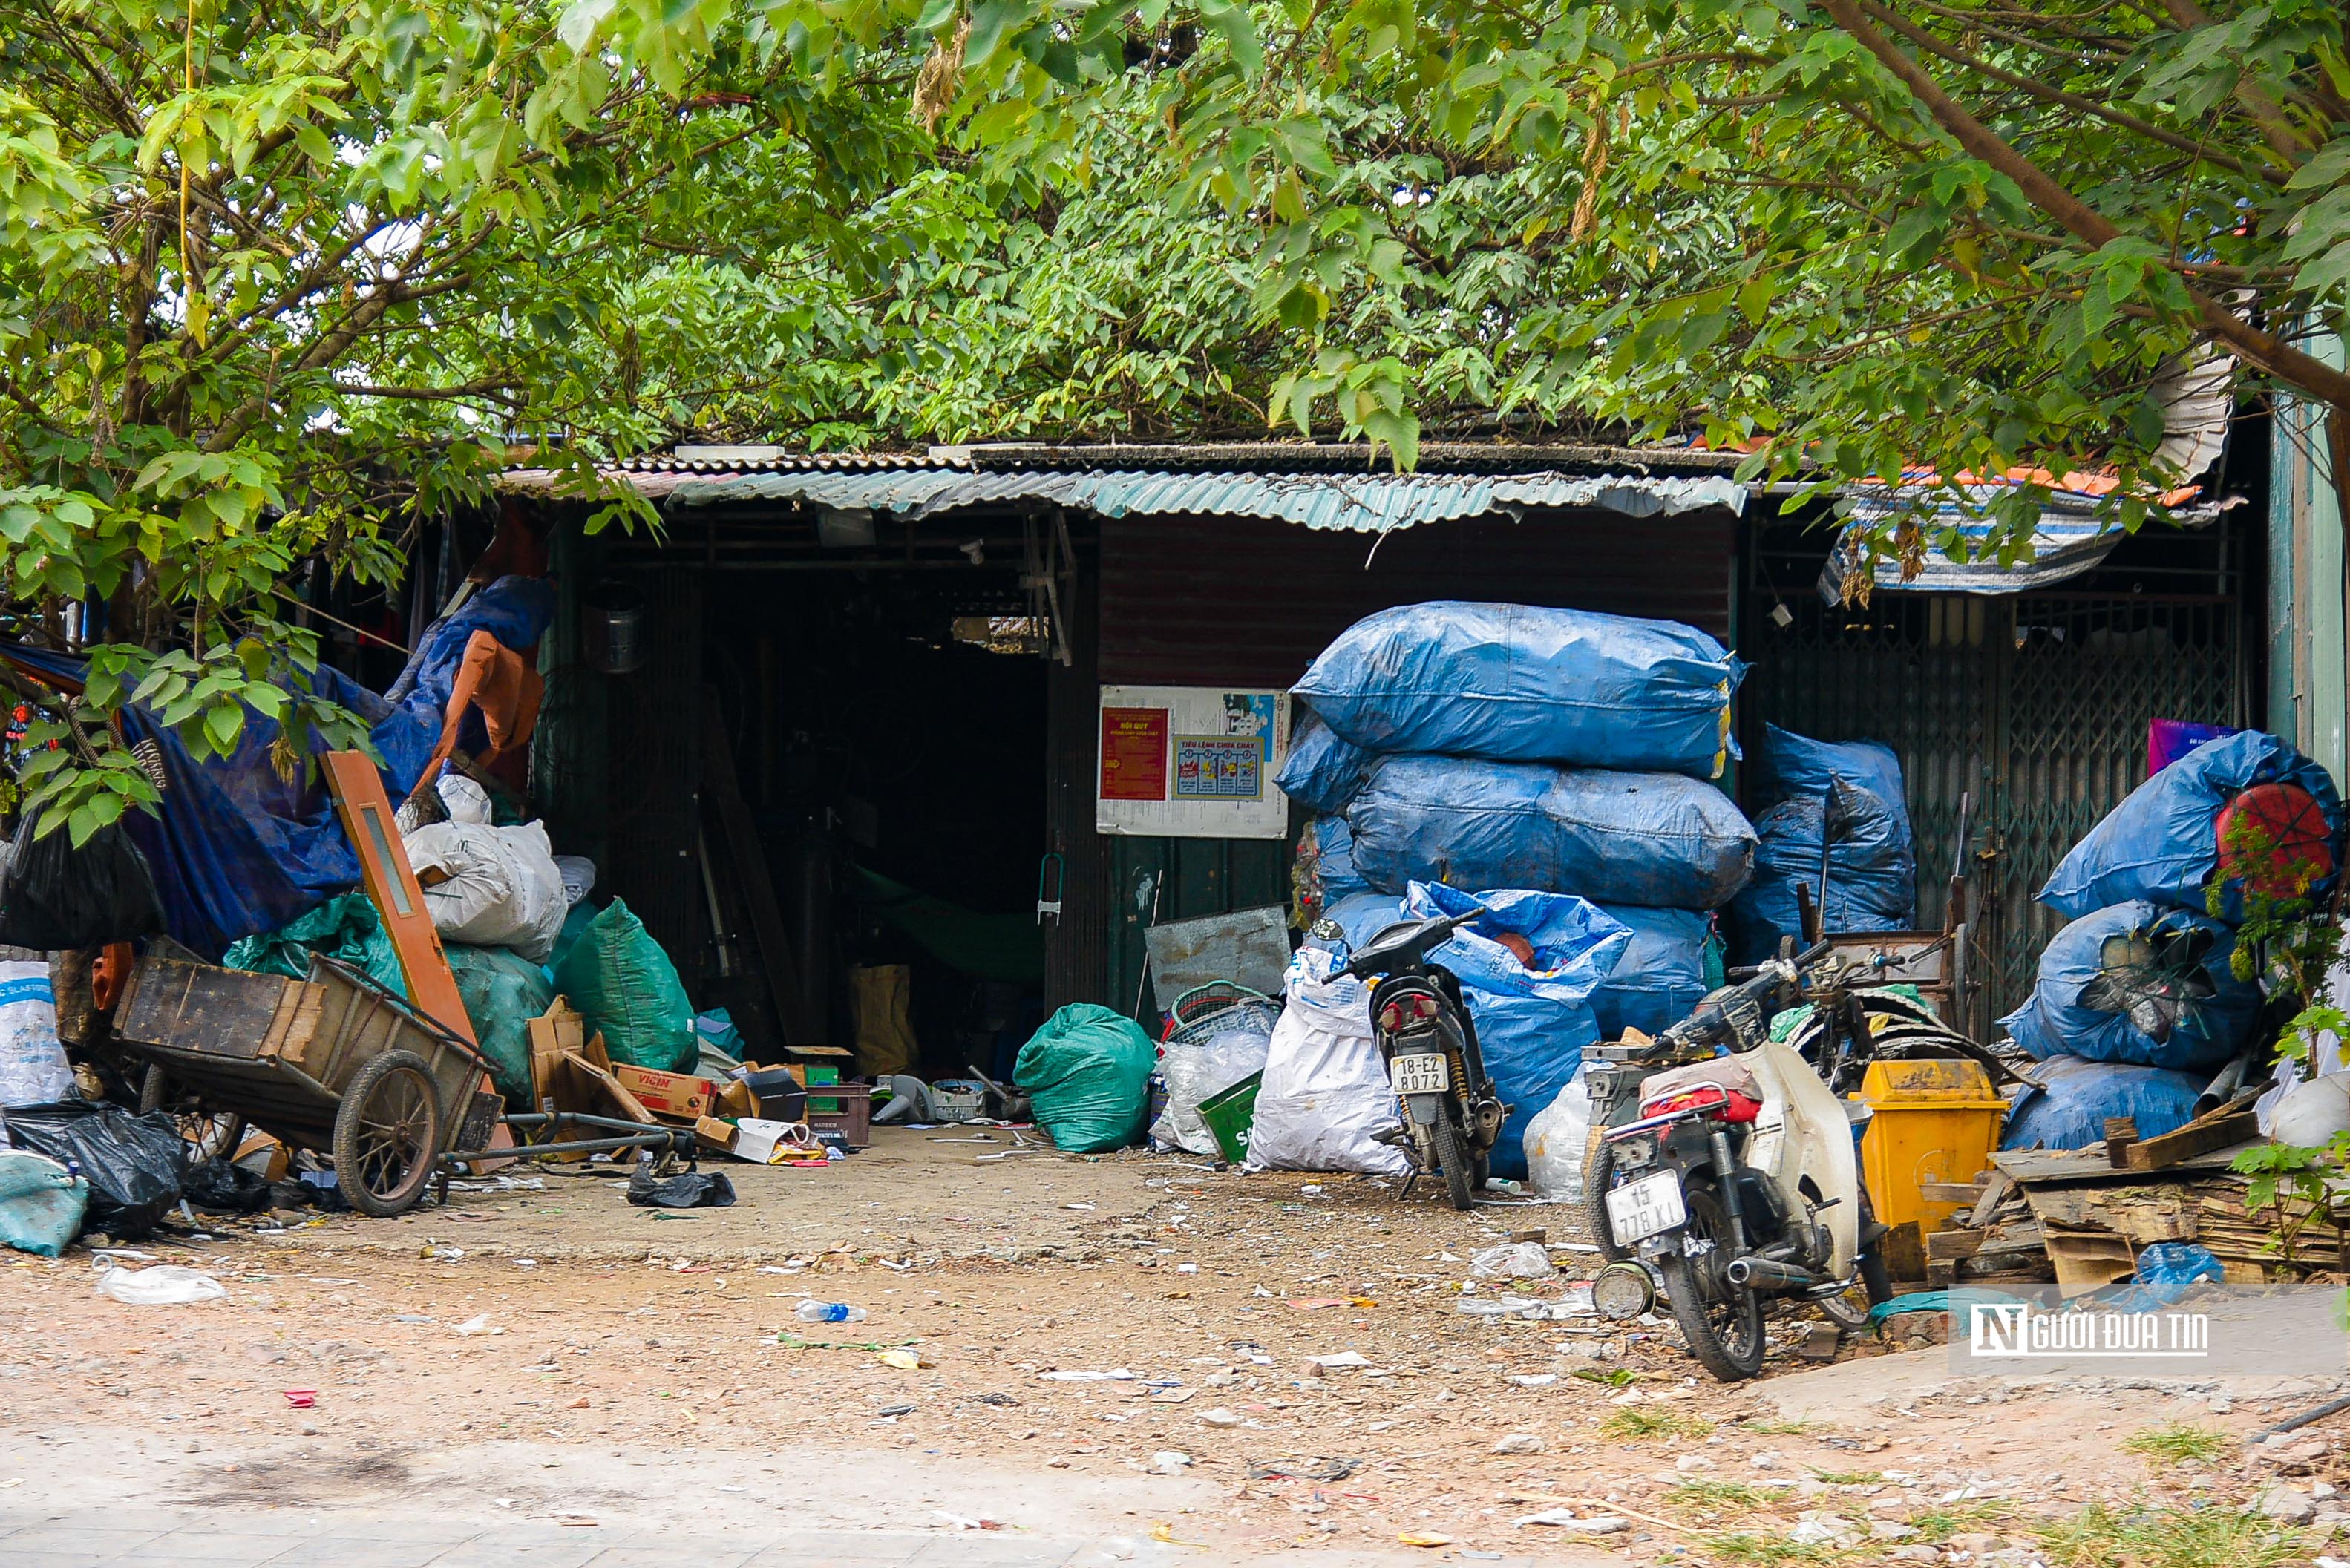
x=647 y=1364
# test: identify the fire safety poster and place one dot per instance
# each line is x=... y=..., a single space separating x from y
x=1191 y=762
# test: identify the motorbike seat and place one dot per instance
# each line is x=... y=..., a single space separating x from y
x=1723 y=1079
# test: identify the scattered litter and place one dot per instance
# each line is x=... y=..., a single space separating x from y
x=903 y=1360
x=480 y=1324
x=1170 y=1462
x=1314 y=1303
x=691 y=1189
x=302 y=1398
x=1313 y=1469
x=1519 y=1260
x=963 y=1522
x=1524 y=1307
x=1596 y=1524
x=1343 y=1358
x=1425 y=1538
x=410 y=1317
x=1534 y=1380
x=1218 y=1417
x=890 y=1412
x=1120 y=1376
x=828 y=1312
x=165 y=1285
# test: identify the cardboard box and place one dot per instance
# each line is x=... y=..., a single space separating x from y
x=714 y=1136
x=671 y=1095
x=758 y=1140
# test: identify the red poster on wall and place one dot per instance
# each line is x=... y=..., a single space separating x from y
x=1134 y=754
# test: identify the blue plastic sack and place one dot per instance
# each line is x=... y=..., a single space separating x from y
x=41 y=1203
x=1872 y=877
x=1321 y=771
x=2139 y=984
x=2068 y=1105
x=1795 y=767
x=1519 y=683
x=1656 y=839
x=1533 y=1021
x=2161 y=844
x=1360 y=917
x=1662 y=976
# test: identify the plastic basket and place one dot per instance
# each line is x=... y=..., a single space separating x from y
x=1230 y=1112
x=1205 y=1011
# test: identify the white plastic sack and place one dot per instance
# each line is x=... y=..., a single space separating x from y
x=464 y=800
x=498 y=887
x=33 y=1067
x=1196 y=1073
x=1555 y=1141
x=1326 y=1098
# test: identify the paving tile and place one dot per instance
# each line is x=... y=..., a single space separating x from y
x=987 y=1551
x=225 y=1542
x=84 y=1537
x=490 y=1551
x=700 y=1554
x=395 y=1547
x=803 y=1557
x=54 y=1559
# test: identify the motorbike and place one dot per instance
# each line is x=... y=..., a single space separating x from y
x=1730 y=1167
x=1452 y=1114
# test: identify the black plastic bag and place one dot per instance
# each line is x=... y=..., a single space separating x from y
x=224 y=1186
x=132 y=1163
x=54 y=896
x=694 y=1190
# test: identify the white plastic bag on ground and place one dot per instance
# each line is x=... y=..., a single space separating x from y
x=490 y=886
x=1556 y=1139
x=1196 y=1073
x=164 y=1284
x=1326 y=1098
x=33 y=1067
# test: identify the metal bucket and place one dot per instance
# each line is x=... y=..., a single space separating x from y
x=612 y=628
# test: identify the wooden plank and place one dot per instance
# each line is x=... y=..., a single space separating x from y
x=2221 y=1129
x=367 y=819
x=1945 y=1246
x=2121 y=1136
x=1995 y=1192
x=746 y=860
x=1903 y=1247
x=1950 y=1191
x=2034 y=1167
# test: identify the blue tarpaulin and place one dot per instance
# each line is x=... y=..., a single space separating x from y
x=238 y=850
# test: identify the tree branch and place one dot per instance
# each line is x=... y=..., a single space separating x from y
x=2264 y=349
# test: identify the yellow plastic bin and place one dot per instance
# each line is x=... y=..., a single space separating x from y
x=1934 y=1121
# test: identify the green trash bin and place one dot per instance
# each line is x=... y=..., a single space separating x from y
x=1230 y=1112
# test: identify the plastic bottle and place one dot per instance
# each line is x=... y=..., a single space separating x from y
x=830 y=1312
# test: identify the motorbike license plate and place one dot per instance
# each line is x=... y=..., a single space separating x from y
x=1641 y=1209
x=1420 y=1073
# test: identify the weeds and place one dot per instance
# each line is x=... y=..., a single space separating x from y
x=1614 y=1378
x=1797 y=1427
x=1718 y=1494
x=1637 y=1423
x=1850 y=1477
x=2179 y=1441
x=2169 y=1538
x=1937 y=1523
x=1769 y=1551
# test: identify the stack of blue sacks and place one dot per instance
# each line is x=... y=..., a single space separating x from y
x=1839 y=828
x=1556 y=763
x=2137 y=1005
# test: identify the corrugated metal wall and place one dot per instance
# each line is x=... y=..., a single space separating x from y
x=1230 y=601
x=1214 y=601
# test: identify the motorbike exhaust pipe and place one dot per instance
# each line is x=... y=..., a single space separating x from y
x=1770 y=1275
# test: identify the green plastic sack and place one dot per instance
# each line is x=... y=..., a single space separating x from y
x=346 y=927
x=1089 y=1071
x=502 y=991
x=624 y=986
x=41 y=1203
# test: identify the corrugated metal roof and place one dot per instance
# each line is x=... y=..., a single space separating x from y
x=1363 y=504
x=2070 y=538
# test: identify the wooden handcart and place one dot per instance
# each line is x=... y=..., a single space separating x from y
x=337 y=1065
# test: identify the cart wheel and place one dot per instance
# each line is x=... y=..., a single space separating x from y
x=210 y=1134
x=388 y=1135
